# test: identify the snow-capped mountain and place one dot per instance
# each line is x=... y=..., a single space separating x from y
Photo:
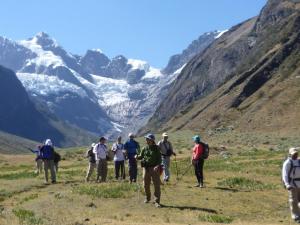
x=96 y=93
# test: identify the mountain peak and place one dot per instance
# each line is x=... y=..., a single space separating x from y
x=44 y=39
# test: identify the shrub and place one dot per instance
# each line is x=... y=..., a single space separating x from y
x=27 y=217
x=244 y=184
x=214 y=218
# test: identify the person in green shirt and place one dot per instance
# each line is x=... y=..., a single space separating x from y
x=150 y=157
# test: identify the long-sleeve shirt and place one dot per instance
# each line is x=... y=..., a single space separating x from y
x=166 y=148
x=132 y=148
x=197 y=151
x=150 y=155
x=288 y=175
x=100 y=151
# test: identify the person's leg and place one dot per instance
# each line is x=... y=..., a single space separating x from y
x=196 y=167
x=90 y=171
x=52 y=171
x=201 y=177
x=56 y=167
x=166 y=163
x=103 y=170
x=130 y=169
x=122 y=165
x=156 y=182
x=46 y=167
x=147 y=182
x=293 y=201
x=98 y=170
x=38 y=164
x=117 y=169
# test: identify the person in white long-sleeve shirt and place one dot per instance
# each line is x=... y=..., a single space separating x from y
x=101 y=152
x=291 y=180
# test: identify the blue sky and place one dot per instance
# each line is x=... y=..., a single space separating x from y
x=151 y=30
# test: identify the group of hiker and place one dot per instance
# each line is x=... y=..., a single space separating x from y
x=155 y=159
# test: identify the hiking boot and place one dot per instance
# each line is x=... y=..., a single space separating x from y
x=197 y=185
x=201 y=185
x=146 y=201
x=157 y=205
x=53 y=182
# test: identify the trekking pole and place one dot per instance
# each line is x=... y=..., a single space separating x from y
x=176 y=168
x=185 y=172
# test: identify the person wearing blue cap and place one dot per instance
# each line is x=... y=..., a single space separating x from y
x=151 y=163
x=198 y=161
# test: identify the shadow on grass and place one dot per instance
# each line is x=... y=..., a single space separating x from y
x=192 y=208
x=226 y=189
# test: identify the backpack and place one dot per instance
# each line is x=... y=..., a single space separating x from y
x=292 y=169
x=205 y=153
x=57 y=157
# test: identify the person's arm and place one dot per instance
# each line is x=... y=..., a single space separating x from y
x=140 y=155
x=172 y=150
x=285 y=174
x=138 y=148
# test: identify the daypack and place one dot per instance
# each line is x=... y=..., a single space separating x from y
x=293 y=173
x=56 y=157
x=205 y=153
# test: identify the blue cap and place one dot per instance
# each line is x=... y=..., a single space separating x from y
x=196 y=138
x=150 y=137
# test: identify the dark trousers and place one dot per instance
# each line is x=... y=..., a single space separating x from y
x=199 y=170
x=120 y=165
x=132 y=169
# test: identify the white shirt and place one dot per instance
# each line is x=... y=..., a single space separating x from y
x=295 y=173
x=118 y=149
x=100 y=151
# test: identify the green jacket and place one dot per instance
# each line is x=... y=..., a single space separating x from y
x=150 y=155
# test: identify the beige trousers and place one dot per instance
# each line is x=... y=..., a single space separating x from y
x=101 y=170
x=148 y=174
x=294 y=199
x=39 y=166
x=90 y=171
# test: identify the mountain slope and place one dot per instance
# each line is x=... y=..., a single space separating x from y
x=245 y=79
x=19 y=116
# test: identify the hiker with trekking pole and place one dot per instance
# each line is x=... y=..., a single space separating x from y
x=132 y=148
x=47 y=154
x=101 y=154
x=38 y=159
x=92 y=162
x=167 y=151
x=200 y=153
x=150 y=157
x=291 y=180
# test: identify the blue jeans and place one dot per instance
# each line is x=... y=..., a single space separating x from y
x=166 y=164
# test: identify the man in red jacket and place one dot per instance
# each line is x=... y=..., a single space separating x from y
x=198 y=161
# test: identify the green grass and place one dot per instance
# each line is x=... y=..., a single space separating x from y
x=19 y=175
x=214 y=218
x=29 y=198
x=115 y=190
x=243 y=183
x=27 y=217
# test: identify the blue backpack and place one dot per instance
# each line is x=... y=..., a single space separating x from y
x=47 y=152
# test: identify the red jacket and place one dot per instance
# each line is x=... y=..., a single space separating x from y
x=197 y=151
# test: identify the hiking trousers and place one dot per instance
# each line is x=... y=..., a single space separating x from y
x=90 y=170
x=132 y=169
x=120 y=166
x=49 y=164
x=166 y=163
x=198 y=166
x=294 y=199
x=148 y=174
x=101 y=170
x=39 y=166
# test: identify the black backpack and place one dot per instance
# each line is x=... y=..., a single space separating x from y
x=205 y=153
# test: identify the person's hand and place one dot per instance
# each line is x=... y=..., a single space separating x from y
x=174 y=153
x=289 y=188
x=156 y=169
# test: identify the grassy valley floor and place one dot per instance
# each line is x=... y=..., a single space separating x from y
x=243 y=186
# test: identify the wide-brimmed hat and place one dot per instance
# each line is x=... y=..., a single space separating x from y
x=165 y=134
x=150 y=137
x=103 y=139
x=293 y=151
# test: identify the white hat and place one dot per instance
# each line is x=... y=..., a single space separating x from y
x=131 y=135
x=165 y=134
x=93 y=145
x=293 y=151
x=48 y=142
